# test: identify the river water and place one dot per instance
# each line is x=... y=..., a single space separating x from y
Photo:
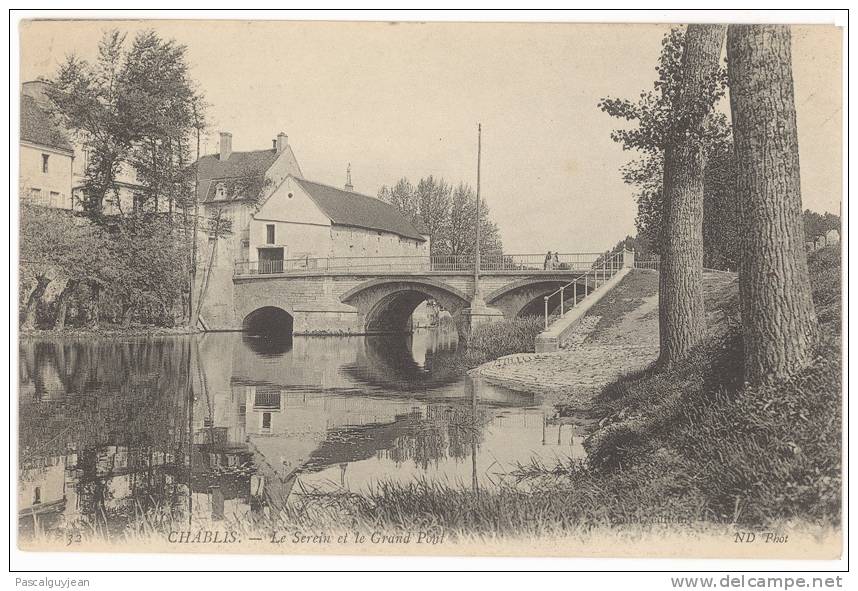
x=107 y=427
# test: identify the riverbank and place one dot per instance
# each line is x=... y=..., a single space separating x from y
x=691 y=446
x=618 y=335
x=108 y=332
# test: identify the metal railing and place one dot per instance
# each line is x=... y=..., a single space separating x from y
x=455 y=263
x=602 y=269
x=647 y=263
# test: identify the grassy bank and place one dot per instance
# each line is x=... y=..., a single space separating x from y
x=487 y=342
x=692 y=445
x=106 y=331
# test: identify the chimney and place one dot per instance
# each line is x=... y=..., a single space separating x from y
x=348 y=185
x=282 y=142
x=225 y=145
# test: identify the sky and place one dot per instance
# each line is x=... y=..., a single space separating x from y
x=404 y=99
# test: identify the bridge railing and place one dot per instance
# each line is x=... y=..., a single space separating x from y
x=605 y=267
x=647 y=263
x=456 y=263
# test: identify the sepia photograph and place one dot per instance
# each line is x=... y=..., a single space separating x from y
x=428 y=288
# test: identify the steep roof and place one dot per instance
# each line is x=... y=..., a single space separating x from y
x=348 y=208
x=37 y=127
x=240 y=166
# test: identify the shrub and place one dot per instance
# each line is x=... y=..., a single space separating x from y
x=505 y=337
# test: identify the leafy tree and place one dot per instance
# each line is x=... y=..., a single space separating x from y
x=462 y=226
x=148 y=266
x=58 y=246
x=449 y=215
x=815 y=226
x=433 y=199
x=652 y=116
x=133 y=106
x=403 y=196
x=89 y=101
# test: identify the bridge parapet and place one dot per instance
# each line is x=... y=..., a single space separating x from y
x=523 y=263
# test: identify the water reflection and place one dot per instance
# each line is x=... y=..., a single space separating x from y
x=108 y=429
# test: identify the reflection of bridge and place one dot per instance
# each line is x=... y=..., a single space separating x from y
x=366 y=295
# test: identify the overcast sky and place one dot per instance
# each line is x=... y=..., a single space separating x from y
x=404 y=100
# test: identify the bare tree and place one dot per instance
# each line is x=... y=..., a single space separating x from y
x=778 y=318
x=682 y=321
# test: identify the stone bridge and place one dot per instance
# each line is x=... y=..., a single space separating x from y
x=371 y=301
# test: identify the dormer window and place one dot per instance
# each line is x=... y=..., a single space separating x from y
x=220 y=191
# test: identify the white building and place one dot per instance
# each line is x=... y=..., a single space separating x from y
x=46 y=158
x=278 y=215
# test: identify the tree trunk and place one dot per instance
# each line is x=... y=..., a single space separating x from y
x=94 y=307
x=778 y=318
x=682 y=321
x=63 y=303
x=127 y=311
x=28 y=314
x=205 y=286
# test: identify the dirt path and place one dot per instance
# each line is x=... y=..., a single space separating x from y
x=618 y=335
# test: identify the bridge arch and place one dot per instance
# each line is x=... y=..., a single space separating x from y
x=385 y=305
x=525 y=297
x=269 y=321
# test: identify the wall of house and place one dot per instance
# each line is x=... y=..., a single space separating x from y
x=299 y=227
x=55 y=186
x=126 y=178
x=304 y=231
x=359 y=242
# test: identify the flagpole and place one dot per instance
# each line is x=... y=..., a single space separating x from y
x=477 y=223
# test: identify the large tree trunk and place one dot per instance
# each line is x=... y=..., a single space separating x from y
x=778 y=318
x=28 y=314
x=94 y=306
x=63 y=304
x=682 y=321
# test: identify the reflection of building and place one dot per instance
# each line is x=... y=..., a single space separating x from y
x=42 y=485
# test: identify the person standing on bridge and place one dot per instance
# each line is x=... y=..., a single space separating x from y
x=548 y=261
x=555 y=261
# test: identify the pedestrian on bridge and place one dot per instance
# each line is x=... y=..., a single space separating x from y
x=548 y=261
x=555 y=261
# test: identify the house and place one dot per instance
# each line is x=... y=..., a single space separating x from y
x=46 y=157
x=53 y=167
x=278 y=215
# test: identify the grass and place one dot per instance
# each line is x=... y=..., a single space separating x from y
x=487 y=342
x=616 y=304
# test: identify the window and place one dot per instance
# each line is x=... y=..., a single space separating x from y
x=269 y=233
x=37 y=495
x=220 y=191
x=36 y=196
x=45 y=163
x=266 y=420
x=55 y=199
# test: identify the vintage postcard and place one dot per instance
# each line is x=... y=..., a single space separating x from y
x=429 y=288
